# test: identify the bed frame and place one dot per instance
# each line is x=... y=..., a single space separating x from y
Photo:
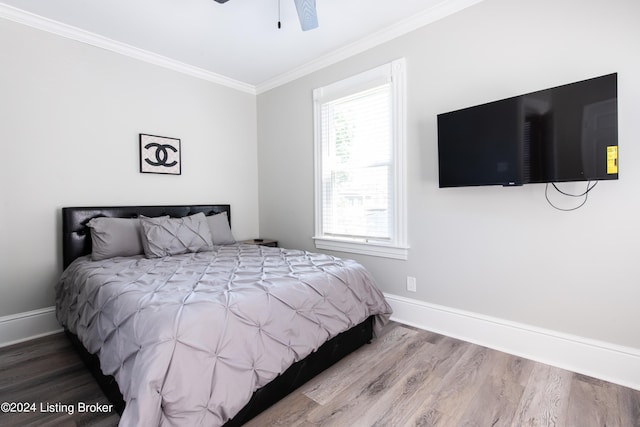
x=76 y=242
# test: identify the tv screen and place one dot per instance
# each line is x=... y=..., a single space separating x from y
x=566 y=133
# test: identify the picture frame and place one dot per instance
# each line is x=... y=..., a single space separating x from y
x=160 y=154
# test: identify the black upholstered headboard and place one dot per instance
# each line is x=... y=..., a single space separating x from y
x=76 y=239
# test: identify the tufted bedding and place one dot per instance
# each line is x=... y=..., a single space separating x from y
x=190 y=337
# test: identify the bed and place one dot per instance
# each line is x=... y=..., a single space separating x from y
x=206 y=336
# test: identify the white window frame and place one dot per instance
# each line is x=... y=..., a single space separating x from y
x=397 y=247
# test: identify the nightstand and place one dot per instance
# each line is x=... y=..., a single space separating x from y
x=261 y=242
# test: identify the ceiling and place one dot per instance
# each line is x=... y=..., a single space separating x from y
x=239 y=40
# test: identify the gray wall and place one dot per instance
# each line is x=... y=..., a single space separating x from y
x=70 y=115
x=499 y=252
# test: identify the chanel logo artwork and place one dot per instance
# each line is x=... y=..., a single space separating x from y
x=159 y=154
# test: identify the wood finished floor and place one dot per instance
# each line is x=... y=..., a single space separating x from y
x=407 y=377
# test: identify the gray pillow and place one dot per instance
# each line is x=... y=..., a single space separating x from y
x=112 y=237
x=173 y=236
x=220 y=230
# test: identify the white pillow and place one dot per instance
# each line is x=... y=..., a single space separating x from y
x=220 y=229
x=112 y=237
x=173 y=236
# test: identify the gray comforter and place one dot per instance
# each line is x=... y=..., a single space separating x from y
x=189 y=338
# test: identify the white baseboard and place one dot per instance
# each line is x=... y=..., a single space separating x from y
x=598 y=359
x=25 y=326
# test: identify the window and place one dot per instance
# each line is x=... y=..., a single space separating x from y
x=360 y=163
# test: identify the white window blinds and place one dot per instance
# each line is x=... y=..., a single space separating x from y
x=360 y=163
x=357 y=163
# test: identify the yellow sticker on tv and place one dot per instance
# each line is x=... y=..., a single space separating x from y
x=612 y=159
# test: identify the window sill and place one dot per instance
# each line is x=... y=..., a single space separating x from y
x=379 y=250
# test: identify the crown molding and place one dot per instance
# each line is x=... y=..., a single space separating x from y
x=41 y=23
x=435 y=13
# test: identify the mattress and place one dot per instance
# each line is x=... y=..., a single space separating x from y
x=189 y=338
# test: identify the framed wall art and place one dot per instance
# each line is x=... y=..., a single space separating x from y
x=160 y=154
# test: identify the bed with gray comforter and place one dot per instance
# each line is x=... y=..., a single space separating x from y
x=190 y=337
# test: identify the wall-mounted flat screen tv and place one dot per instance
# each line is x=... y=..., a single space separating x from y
x=566 y=133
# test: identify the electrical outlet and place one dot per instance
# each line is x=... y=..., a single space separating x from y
x=411 y=284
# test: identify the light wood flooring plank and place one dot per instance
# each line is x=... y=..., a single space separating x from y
x=458 y=387
x=493 y=405
x=426 y=375
x=544 y=401
x=367 y=390
x=592 y=403
x=628 y=406
x=289 y=412
x=497 y=399
x=329 y=383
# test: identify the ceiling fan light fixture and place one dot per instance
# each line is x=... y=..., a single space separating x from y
x=307 y=14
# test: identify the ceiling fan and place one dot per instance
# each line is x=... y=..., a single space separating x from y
x=307 y=13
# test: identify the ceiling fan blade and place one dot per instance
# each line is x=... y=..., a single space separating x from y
x=307 y=14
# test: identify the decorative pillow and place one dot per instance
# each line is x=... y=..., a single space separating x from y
x=220 y=230
x=112 y=237
x=172 y=236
